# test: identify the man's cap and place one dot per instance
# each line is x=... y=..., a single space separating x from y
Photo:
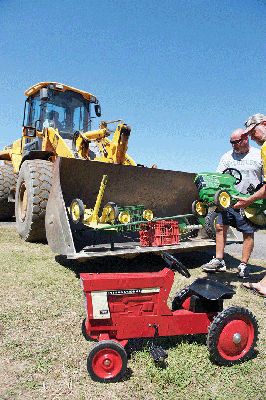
x=254 y=120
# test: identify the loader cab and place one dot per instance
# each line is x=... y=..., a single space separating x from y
x=66 y=111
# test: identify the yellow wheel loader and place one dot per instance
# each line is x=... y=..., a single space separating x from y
x=60 y=158
x=57 y=123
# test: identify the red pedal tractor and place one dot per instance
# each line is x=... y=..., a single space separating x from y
x=123 y=306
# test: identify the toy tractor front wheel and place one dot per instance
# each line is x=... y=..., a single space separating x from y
x=199 y=209
x=223 y=200
x=107 y=361
x=232 y=336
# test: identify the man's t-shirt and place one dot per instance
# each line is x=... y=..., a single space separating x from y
x=249 y=164
x=263 y=157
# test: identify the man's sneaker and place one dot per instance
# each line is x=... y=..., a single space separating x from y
x=214 y=265
x=243 y=270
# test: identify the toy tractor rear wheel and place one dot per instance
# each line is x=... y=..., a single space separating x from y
x=210 y=224
x=32 y=193
x=107 y=361
x=254 y=216
x=7 y=183
x=182 y=299
x=111 y=211
x=223 y=200
x=199 y=209
x=76 y=211
x=232 y=336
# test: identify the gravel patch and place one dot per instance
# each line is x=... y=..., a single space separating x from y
x=259 y=251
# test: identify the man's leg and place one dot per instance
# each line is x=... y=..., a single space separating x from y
x=217 y=264
x=248 y=245
x=248 y=231
x=221 y=234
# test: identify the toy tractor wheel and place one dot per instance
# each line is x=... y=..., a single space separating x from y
x=111 y=211
x=83 y=330
x=222 y=199
x=210 y=224
x=76 y=211
x=182 y=300
x=124 y=217
x=147 y=214
x=232 y=336
x=254 y=216
x=199 y=209
x=107 y=361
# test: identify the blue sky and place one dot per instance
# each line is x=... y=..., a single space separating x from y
x=183 y=74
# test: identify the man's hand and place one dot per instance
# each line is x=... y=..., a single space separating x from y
x=242 y=202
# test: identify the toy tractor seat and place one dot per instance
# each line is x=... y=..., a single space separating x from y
x=211 y=290
x=203 y=295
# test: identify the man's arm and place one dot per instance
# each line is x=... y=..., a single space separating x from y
x=243 y=203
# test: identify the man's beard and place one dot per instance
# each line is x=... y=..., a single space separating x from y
x=241 y=151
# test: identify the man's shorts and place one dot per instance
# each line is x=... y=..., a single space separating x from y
x=233 y=218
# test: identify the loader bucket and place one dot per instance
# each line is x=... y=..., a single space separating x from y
x=166 y=193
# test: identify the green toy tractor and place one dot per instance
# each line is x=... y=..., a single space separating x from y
x=218 y=189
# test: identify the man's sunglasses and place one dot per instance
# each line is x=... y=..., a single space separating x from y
x=236 y=141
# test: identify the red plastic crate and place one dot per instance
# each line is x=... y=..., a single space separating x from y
x=144 y=235
x=165 y=233
x=160 y=233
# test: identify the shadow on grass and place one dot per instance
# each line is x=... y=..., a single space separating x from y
x=127 y=375
x=154 y=262
x=141 y=263
x=170 y=342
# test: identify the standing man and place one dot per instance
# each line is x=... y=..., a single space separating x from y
x=247 y=160
x=256 y=128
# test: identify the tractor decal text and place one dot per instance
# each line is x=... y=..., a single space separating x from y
x=133 y=291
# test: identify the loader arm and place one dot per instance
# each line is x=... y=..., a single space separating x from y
x=55 y=143
x=112 y=150
x=82 y=141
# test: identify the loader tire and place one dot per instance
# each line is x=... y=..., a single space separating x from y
x=7 y=183
x=32 y=192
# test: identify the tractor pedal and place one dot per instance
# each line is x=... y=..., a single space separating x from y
x=158 y=354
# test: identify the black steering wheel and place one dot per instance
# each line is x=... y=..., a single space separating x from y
x=235 y=173
x=175 y=264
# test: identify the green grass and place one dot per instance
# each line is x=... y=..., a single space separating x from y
x=43 y=354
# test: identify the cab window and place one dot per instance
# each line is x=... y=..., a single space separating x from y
x=32 y=111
